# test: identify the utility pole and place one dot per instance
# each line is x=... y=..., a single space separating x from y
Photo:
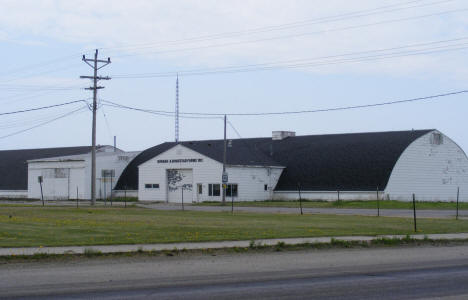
x=93 y=63
x=225 y=176
x=177 y=111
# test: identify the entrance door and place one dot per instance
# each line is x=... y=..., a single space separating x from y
x=199 y=192
x=179 y=183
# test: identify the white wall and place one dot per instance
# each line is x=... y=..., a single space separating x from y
x=250 y=180
x=207 y=171
x=105 y=161
x=13 y=193
x=327 y=195
x=431 y=172
x=56 y=188
x=78 y=175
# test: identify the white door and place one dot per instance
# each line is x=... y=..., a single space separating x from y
x=199 y=192
x=180 y=184
x=55 y=188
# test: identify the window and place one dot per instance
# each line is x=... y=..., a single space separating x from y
x=231 y=190
x=214 y=189
x=151 y=185
x=265 y=187
x=55 y=173
x=107 y=173
x=437 y=139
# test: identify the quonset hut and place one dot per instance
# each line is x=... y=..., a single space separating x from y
x=350 y=166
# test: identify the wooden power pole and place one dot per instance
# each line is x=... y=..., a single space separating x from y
x=225 y=175
x=94 y=63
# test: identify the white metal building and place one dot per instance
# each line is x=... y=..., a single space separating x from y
x=14 y=167
x=390 y=165
x=181 y=171
x=69 y=177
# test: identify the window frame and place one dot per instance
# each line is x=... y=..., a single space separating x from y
x=230 y=188
x=437 y=138
x=152 y=186
x=212 y=188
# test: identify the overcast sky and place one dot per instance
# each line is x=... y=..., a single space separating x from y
x=288 y=55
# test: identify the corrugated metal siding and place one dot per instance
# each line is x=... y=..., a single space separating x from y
x=56 y=188
x=432 y=172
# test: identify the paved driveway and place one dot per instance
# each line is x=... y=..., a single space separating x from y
x=329 y=211
x=284 y=210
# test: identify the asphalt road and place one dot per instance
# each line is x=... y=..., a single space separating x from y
x=383 y=273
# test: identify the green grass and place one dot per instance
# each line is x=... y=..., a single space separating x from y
x=360 y=204
x=22 y=226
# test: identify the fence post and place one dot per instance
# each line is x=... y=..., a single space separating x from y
x=378 y=203
x=232 y=200
x=42 y=194
x=111 y=190
x=125 y=196
x=105 y=191
x=77 y=197
x=414 y=213
x=182 y=198
x=300 y=197
x=458 y=195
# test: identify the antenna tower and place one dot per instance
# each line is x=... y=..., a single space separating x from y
x=177 y=110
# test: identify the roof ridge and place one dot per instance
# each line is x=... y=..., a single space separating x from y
x=306 y=135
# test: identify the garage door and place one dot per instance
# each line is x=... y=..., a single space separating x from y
x=179 y=181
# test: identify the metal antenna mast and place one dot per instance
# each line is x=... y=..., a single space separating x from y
x=177 y=110
x=93 y=63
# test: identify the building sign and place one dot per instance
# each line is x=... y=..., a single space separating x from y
x=107 y=173
x=182 y=160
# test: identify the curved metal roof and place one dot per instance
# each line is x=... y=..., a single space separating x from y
x=347 y=162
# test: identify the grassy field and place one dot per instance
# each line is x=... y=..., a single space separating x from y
x=53 y=226
x=360 y=204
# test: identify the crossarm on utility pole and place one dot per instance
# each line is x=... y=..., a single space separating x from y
x=93 y=63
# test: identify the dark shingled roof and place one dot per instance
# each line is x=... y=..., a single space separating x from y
x=14 y=169
x=347 y=162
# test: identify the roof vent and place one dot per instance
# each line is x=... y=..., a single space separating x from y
x=281 y=135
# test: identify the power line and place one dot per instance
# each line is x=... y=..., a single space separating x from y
x=109 y=131
x=217 y=115
x=327 y=19
x=317 y=61
x=235 y=130
x=164 y=114
x=16 y=121
x=333 y=18
x=27 y=88
x=42 y=72
x=391 y=21
x=42 y=64
x=315 y=21
x=41 y=108
x=21 y=97
x=43 y=123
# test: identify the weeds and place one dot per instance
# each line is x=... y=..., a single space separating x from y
x=89 y=252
